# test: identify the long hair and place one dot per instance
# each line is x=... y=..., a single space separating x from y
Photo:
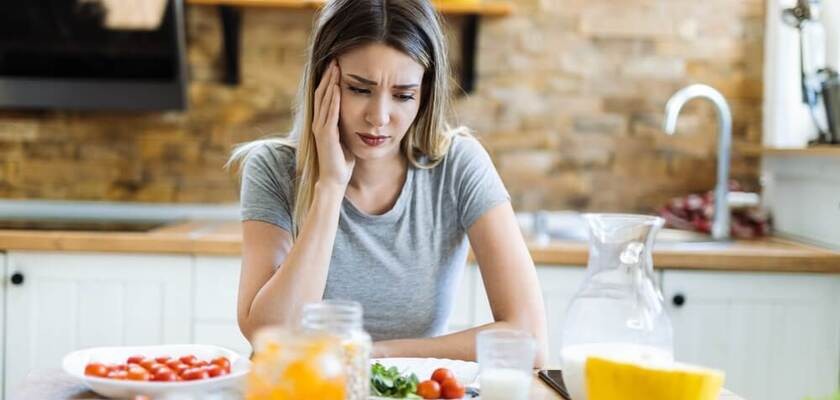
x=410 y=26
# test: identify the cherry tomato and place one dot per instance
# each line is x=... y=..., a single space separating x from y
x=159 y=367
x=442 y=374
x=180 y=368
x=452 y=389
x=117 y=367
x=165 y=375
x=134 y=359
x=188 y=359
x=162 y=359
x=138 y=374
x=222 y=362
x=173 y=362
x=96 y=369
x=118 y=375
x=200 y=363
x=193 y=374
x=147 y=363
x=429 y=389
x=155 y=366
x=214 y=370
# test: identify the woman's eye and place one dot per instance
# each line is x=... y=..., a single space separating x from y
x=400 y=97
x=358 y=90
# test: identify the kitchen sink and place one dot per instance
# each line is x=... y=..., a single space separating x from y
x=570 y=226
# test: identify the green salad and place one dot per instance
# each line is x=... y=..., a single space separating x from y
x=388 y=382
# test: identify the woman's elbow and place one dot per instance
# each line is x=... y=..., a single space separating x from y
x=541 y=356
x=536 y=328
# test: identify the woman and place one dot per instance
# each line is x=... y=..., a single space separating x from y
x=372 y=198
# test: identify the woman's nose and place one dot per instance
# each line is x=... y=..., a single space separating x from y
x=377 y=113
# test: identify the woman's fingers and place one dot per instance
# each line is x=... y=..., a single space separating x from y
x=320 y=95
x=330 y=82
x=326 y=107
x=319 y=91
x=335 y=105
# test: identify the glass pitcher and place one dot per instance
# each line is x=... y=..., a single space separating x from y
x=618 y=312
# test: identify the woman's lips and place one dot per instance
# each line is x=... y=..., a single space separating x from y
x=371 y=140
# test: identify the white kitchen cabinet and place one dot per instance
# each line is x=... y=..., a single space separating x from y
x=559 y=284
x=216 y=283
x=803 y=194
x=777 y=336
x=6 y=279
x=69 y=301
x=463 y=307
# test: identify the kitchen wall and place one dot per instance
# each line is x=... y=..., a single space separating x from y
x=570 y=96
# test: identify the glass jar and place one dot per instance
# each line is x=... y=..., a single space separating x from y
x=618 y=312
x=291 y=365
x=344 y=320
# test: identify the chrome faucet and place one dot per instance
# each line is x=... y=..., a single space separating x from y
x=720 y=224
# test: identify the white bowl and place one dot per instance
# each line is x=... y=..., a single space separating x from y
x=75 y=362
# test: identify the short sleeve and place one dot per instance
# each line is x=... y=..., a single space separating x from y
x=478 y=187
x=267 y=185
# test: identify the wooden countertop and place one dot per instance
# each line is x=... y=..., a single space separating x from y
x=224 y=238
x=812 y=151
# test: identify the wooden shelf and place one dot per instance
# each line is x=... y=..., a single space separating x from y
x=471 y=10
x=814 y=151
x=444 y=7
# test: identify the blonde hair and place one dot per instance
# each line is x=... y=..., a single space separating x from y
x=410 y=26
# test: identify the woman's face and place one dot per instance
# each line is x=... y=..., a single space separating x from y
x=380 y=97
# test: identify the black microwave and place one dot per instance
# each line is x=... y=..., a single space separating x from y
x=59 y=54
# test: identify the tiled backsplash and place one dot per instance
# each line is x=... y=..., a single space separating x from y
x=569 y=101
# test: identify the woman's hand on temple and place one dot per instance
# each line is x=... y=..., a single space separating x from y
x=335 y=162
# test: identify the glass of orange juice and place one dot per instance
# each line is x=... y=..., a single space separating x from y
x=292 y=365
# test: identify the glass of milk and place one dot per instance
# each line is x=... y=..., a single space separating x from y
x=506 y=362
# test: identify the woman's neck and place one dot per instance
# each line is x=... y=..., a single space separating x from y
x=374 y=175
x=376 y=185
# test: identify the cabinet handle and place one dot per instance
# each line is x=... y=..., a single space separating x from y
x=17 y=278
x=678 y=300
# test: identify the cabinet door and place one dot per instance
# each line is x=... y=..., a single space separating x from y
x=216 y=286
x=70 y=301
x=463 y=315
x=558 y=284
x=6 y=280
x=777 y=336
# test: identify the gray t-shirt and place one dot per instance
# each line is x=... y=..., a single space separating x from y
x=403 y=266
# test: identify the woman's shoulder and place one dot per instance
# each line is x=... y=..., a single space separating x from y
x=465 y=148
x=274 y=156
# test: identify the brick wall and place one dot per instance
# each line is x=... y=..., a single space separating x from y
x=569 y=101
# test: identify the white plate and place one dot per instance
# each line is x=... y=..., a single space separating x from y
x=465 y=371
x=75 y=362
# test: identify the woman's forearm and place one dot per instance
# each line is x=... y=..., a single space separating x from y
x=302 y=277
x=457 y=346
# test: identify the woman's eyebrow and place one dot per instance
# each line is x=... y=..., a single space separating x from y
x=372 y=83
